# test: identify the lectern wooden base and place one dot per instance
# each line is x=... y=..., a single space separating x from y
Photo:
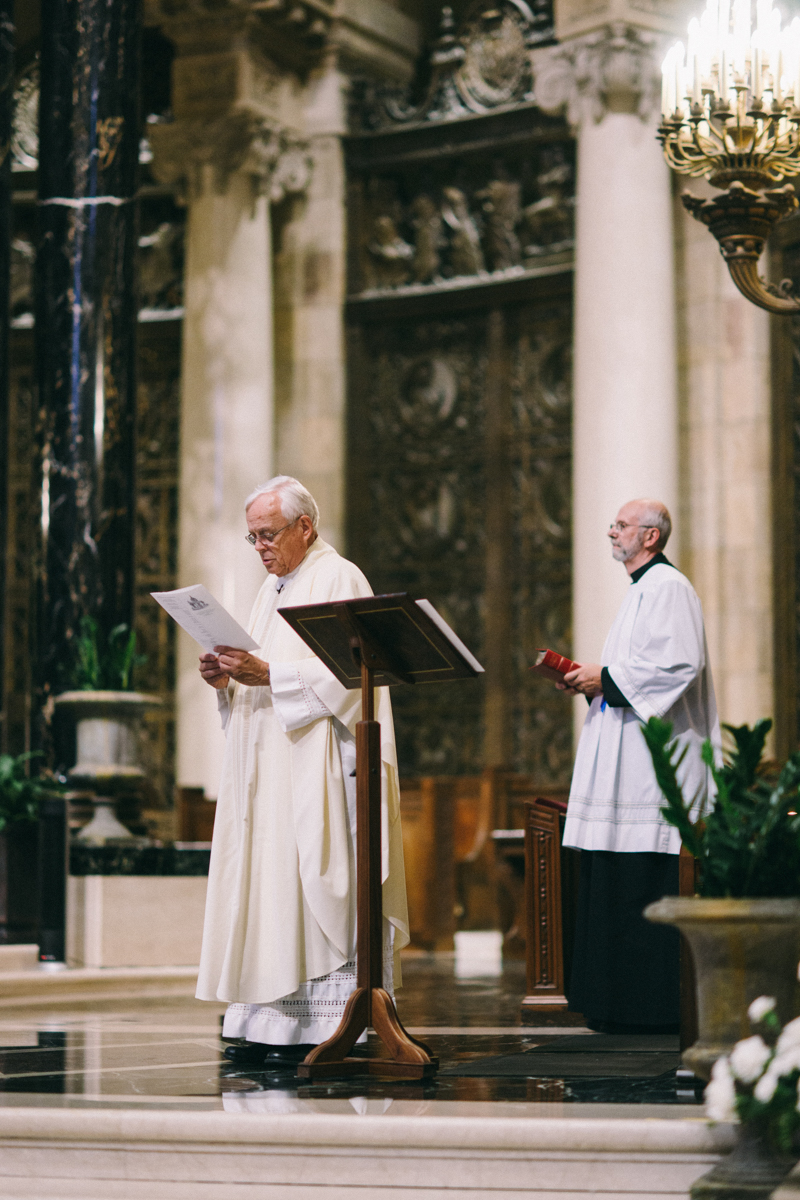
x=370 y=1006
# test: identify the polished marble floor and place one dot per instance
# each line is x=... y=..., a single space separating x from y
x=170 y=1054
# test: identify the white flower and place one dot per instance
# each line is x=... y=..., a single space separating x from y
x=785 y=1060
x=720 y=1093
x=749 y=1058
x=790 y=1036
x=760 y=1007
x=765 y=1088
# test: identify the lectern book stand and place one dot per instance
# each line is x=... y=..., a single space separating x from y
x=368 y=642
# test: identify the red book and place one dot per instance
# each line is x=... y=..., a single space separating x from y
x=553 y=666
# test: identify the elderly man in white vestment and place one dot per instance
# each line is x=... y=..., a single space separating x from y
x=280 y=926
x=625 y=974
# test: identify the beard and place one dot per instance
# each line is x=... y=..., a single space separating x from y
x=625 y=554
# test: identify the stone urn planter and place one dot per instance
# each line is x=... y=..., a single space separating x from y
x=751 y=1171
x=107 y=734
x=741 y=949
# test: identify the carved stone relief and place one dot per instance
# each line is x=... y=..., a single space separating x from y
x=25 y=121
x=439 y=225
x=418 y=511
x=158 y=416
x=481 y=64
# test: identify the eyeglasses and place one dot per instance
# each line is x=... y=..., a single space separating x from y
x=621 y=526
x=267 y=539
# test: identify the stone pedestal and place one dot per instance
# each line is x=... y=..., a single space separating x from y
x=625 y=390
x=119 y=920
x=135 y=906
x=86 y=321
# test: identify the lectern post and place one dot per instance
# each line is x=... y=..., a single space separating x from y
x=393 y=638
x=370 y=1004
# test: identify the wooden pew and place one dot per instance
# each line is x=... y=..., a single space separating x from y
x=551 y=893
x=460 y=873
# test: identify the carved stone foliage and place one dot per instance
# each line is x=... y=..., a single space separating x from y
x=418 y=503
x=445 y=223
x=483 y=63
x=615 y=69
x=184 y=152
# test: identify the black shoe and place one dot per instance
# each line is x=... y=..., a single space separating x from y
x=285 y=1058
x=267 y=1057
x=246 y=1054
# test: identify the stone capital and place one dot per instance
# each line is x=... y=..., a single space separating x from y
x=613 y=69
x=193 y=154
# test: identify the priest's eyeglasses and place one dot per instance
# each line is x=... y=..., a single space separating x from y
x=621 y=526
x=266 y=538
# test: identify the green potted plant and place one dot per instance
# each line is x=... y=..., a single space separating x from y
x=108 y=715
x=743 y=925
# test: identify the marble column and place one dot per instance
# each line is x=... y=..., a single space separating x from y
x=86 y=321
x=726 y=420
x=231 y=168
x=625 y=441
x=6 y=93
x=310 y=266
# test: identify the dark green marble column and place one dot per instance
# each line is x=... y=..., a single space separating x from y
x=6 y=94
x=86 y=322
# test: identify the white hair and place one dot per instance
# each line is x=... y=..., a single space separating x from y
x=295 y=500
x=656 y=515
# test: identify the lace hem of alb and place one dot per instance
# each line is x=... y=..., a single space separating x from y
x=309 y=1015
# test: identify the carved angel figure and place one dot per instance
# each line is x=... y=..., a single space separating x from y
x=161 y=267
x=466 y=256
x=427 y=220
x=501 y=203
x=390 y=253
x=549 y=220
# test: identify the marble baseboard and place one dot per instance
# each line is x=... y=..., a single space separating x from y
x=134 y=920
x=21 y=957
x=125 y=1155
x=78 y=988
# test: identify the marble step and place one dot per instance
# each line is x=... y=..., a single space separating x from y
x=430 y=1149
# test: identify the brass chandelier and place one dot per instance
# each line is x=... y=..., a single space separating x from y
x=730 y=105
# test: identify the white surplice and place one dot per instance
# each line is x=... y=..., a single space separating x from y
x=281 y=907
x=657 y=656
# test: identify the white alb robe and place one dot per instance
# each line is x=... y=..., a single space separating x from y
x=657 y=656
x=281 y=891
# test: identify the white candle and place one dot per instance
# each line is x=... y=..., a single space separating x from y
x=680 y=90
x=665 y=76
x=756 y=75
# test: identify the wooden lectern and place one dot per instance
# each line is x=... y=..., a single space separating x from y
x=368 y=642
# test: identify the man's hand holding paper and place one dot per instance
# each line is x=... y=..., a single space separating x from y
x=239 y=665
